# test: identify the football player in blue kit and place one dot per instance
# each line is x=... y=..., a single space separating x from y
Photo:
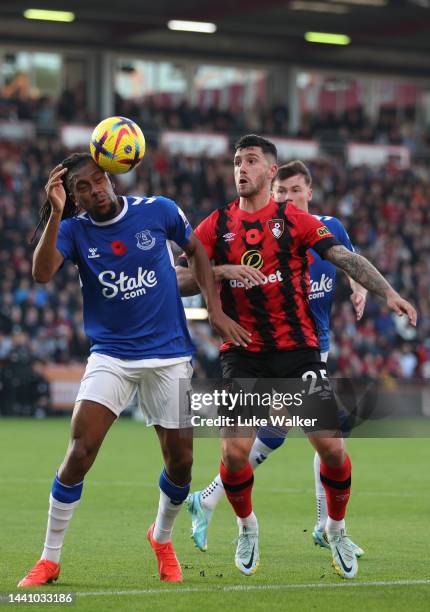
x=134 y=318
x=293 y=182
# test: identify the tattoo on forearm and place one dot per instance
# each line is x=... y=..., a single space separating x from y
x=358 y=268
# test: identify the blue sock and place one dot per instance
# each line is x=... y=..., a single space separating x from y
x=272 y=436
x=66 y=494
x=171 y=500
x=176 y=494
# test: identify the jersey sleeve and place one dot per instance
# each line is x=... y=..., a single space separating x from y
x=206 y=234
x=313 y=234
x=178 y=227
x=342 y=235
x=66 y=242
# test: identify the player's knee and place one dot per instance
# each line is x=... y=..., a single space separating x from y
x=80 y=453
x=334 y=456
x=235 y=458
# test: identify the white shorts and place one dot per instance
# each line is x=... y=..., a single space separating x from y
x=113 y=382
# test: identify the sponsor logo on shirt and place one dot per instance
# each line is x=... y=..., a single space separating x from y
x=252 y=258
x=92 y=253
x=229 y=237
x=323 y=231
x=128 y=287
x=318 y=289
x=276 y=277
x=145 y=240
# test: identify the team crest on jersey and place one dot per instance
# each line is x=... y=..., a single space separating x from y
x=145 y=240
x=276 y=226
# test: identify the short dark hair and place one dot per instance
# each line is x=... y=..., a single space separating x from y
x=252 y=140
x=70 y=208
x=292 y=169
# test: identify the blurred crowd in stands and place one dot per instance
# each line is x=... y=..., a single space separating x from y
x=155 y=113
x=385 y=211
x=331 y=127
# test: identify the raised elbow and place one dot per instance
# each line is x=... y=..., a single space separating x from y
x=40 y=277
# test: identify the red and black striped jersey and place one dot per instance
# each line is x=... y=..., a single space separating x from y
x=274 y=240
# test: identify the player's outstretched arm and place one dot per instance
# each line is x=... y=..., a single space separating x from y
x=250 y=277
x=202 y=271
x=363 y=272
x=47 y=258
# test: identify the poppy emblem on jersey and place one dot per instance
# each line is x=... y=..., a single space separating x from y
x=118 y=247
x=253 y=236
x=253 y=258
x=276 y=226
x=323 y=231
x=145 y=240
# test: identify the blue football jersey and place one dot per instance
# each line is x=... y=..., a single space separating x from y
x=323 y=281
x=132 y=306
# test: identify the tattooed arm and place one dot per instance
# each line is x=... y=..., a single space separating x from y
x=362 y=271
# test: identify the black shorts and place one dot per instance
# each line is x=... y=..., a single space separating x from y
x=237 y=363
x=292 y=384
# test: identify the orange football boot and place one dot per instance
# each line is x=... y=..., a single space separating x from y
x=168 y=565
x=42 y=573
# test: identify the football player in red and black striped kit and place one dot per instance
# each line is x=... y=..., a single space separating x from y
x=268 y=296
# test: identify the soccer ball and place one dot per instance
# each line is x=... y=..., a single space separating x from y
x=117 y=145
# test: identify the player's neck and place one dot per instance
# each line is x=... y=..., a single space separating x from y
x=255 y=202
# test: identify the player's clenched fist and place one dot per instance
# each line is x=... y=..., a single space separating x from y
x=55 y=190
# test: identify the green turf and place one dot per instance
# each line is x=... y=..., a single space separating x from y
x=106 y=549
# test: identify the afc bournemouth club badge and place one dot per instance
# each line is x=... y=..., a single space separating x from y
x=276 y=226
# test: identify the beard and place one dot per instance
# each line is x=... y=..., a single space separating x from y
x=106 y=214
x=248 y=190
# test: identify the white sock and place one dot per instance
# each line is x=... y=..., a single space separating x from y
x=59 y=516
x=249 y=522
x=166 y=515
x=333 y=525
x=259 y=453
x=320 y=495
x=213 y=494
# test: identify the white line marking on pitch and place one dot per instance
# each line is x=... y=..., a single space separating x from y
x=256 y=587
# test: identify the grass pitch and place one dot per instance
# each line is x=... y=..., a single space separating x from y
x=107 y=562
